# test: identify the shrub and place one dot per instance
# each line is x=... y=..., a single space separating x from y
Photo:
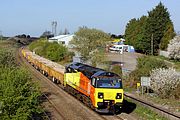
x=144 y=66
x=117 y=69
x=53 y=51
x=19 y=97
x=39 y=46
x=7 y=58
x=69 y=56
x=165 y=82
x=174 y=48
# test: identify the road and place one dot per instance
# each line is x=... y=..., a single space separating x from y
x=127 y=59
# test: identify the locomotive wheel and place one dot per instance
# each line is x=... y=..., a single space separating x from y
x=87 y=101
x=54 y=80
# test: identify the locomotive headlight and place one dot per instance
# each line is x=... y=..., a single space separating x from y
x=119 y=96
x=100 y=95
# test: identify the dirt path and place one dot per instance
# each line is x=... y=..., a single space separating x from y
x=127 y=59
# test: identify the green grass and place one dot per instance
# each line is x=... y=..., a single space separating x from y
x=174 y=104
x=145 y=113
x=171 y=63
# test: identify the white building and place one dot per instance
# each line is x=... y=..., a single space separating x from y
x=62 y=39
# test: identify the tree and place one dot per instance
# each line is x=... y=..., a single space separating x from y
x=174 y=48
x=150 y=33
x=89 y=42
x=28 y=36
x=47 y=34
x=135 y=34
x=156 y=27
x=129 y=32
x=168 y=35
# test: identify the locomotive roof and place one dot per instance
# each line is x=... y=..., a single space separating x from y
x=90 y=71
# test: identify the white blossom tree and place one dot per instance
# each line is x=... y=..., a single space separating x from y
x=165 y=82
x=174 y=48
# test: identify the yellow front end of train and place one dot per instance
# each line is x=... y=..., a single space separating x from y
x=107 y=97
x=108 y=94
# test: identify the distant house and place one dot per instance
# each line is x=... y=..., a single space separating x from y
x=62 y=39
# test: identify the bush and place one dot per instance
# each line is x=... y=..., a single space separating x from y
x=55 y=52
x=144 y=66
x=69 y=56
x=174 y=48
x=165 y=82
x=7 y=58
x=18 y=97
x=117 y=69
x=39 y=46
x=52 y=51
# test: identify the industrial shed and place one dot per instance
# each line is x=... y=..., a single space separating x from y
x=62 y=39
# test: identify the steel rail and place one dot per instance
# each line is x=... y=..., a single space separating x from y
x=153 y=106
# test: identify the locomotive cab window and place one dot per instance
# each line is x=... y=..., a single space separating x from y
x=93 y=81
x=109 y=83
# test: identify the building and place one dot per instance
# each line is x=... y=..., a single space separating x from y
x=62 y=39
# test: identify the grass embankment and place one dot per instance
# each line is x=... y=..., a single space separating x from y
x=19 y=97
x=144 y=66
x=144 y=113
x=171 y=63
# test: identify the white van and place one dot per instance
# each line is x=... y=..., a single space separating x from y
x=116 y=48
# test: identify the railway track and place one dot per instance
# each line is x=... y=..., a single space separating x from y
x=54 y=106
x=162 y=111
x=24 y=63
x=165 y=113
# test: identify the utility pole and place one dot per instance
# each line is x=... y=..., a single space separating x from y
x=152 y=46
x=54 y=26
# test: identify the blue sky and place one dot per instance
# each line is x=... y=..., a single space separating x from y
x=35 y=16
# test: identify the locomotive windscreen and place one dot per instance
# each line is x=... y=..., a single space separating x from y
x=108 y=82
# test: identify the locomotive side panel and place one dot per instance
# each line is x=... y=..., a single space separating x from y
x=85 y=85
x=72 y=79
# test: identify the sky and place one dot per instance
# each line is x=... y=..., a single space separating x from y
x=33 y=17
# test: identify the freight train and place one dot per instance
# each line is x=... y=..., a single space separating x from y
x=98 y=89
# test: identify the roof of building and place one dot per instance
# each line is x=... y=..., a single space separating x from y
x=60 y=37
